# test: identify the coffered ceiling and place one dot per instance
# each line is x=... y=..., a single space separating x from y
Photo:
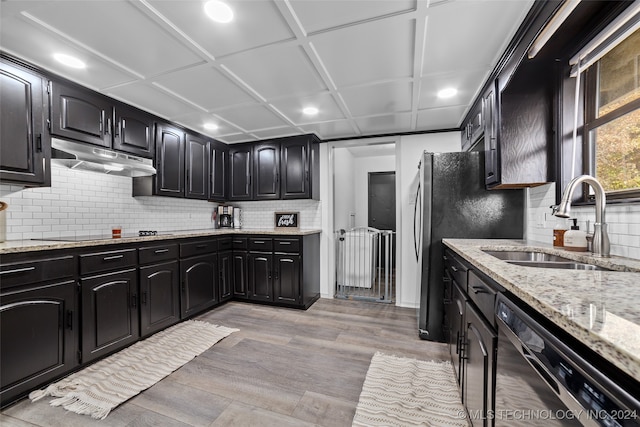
x=369 y=66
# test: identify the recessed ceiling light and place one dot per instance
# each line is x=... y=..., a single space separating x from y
x=218 y=11
x=69 y=61
x=211 y=126
x=447 y=93
x=310 y=111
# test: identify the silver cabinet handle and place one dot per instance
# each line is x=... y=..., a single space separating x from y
x=161 y=251
x=18 y=270
x=112 y=258
x=284 y=243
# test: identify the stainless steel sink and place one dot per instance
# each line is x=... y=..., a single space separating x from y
x=526 y=256
x=542 y=260
x=573 y=265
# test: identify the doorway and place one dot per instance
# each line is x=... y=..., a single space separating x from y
x=382 y=200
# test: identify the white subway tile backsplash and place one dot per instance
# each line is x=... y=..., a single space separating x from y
x=80 y=202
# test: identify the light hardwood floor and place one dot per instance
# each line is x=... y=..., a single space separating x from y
x=284 y=367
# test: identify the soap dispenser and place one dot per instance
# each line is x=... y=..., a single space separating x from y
x=575 y=239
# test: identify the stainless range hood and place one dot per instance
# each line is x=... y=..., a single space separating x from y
x=77 y=155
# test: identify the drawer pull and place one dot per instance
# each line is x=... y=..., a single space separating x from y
x=479 y=290
x=237 y=241
x=454 y=268
x=259 y=242
x=201 y=246
x=18 y=270
x=161 y=251
x=112 y=258
x=284 y=243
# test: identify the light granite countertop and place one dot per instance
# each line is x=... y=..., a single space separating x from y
x=18 y=246
x=599 y=308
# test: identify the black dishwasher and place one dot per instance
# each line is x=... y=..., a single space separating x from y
x=541 y=381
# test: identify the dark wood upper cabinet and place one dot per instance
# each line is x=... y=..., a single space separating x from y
x=196 y=167
x=133 y=131
x=218 y=171
x=296 y=171
x=24 y=139
x=240 y=169
x=86 y=116
x=266 y=171
x=169 y=179
x=81 y=115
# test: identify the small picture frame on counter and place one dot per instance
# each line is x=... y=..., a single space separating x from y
x=287 y=220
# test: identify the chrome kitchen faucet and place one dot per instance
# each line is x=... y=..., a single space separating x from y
x=600 y=235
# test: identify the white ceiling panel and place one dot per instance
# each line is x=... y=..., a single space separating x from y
x=152 y=99
x=467 y=82
x=205 y=86
x=463 y=34
x=378 y=99
x=385 y=124
x=256 y=23
x=273 y=71
x=252 y=117
x=197 y=120
x=440 y=118
x=324 y=102
x=369 y=66
x=117 y=30
x=321 y=15
x=368 y=52
x=327 y=130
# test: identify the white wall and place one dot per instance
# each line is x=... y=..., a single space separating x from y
x=408 y=152
x=623 y=220
x=344 y=191
x=364 y=165
x=88 y=203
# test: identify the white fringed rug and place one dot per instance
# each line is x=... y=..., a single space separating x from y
x=99 y=388
x=406 y=392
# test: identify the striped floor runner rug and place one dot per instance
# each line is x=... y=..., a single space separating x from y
x=406 y=392
x=99 y=388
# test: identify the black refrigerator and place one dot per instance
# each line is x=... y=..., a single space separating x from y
x=452 y=202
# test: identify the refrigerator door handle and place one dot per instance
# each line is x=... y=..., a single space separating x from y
x=416 y=236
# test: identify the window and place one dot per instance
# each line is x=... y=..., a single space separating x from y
x=612 y=119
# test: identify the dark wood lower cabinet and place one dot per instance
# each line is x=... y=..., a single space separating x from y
x=159 y=297
x=240 y=280
x=286 y=284
x=109 y=313
x=225 y=273
x=199 y=289
x=38 y=329
x=260 y=269
x=456 y=329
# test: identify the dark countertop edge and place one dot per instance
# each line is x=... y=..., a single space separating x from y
x=21 y=246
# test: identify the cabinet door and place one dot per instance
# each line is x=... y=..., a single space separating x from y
x=286 y=284
x=260 y=267
x=38 y=329
x=479 y=367
x=218 y=184
x=456 y=328
x=133 y=131
x=197 y=167
x=199 y=284
x=225 y=268
x=240 y=165
x=295 y=168
x=159 y=297
x=81 y=115
x=24 y=139
x=491 y=166
x=109 y=313
x=266 y=171
x=240 y=280
x=169 y=161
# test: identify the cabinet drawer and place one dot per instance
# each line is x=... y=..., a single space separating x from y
x=240 y=243
x=158 y=253
x=456 y=268
x=47 y=269
x=225 y=244
x=483 y=295
x=104 y=261
x=286 y=245
x=261 y=244
x=198 y=248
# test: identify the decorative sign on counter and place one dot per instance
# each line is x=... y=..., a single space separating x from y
x=287 y=220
